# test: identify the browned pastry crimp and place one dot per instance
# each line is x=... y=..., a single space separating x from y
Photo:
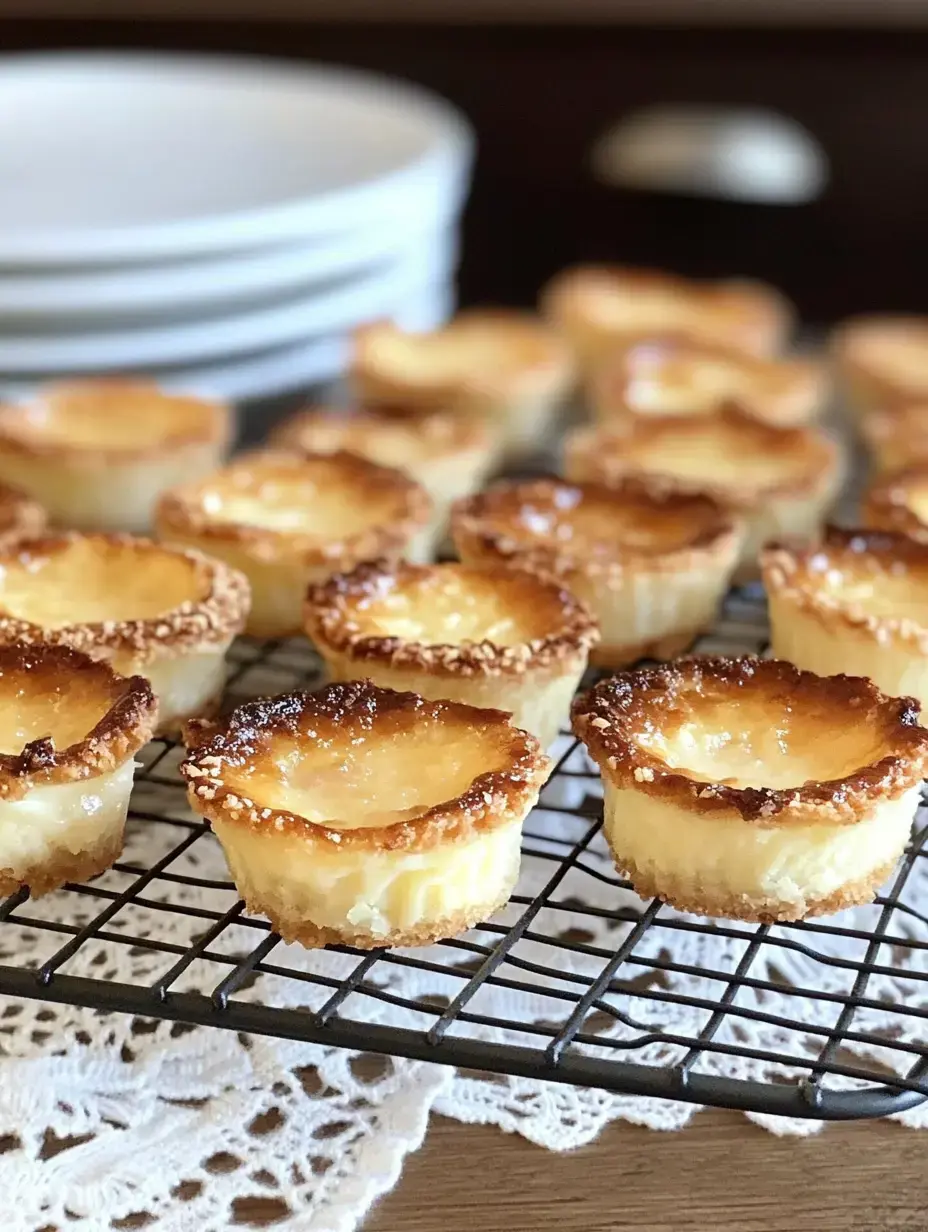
x=121 y=716
x=183 y=513
x=213 y=613
x=608 y=717
x=348 y=711
x=333 y=617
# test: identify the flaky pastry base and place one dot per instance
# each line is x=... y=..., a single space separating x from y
x=72 y=727
x=739 y=787
x=97 y=454
x=493 y=637
x=672 y=375
x=160 y=612
x=858 y=603
x=504 y=367
x=364 y=816
x=779 y=482
x=652 y=564
x=286 y=521
x=597 y=307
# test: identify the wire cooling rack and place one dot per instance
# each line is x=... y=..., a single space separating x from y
x=342 y=1010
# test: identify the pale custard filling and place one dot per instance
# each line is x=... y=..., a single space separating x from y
x=88 y=582
x=717 y=458
x=718 y=856
x=66 y=710
x=295 y=504
x=760 y=745
x=73 y=818
x=447 y=609
x=347 y=784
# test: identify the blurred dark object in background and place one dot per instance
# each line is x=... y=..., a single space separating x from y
x=541 y=94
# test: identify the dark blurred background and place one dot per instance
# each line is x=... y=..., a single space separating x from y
x=542 y=81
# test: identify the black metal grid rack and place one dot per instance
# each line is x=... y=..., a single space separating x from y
x=203 y=981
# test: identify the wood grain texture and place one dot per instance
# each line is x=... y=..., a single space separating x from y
x=721 y=1174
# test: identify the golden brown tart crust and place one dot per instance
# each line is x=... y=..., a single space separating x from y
x=182 y=512
x=537 y=353
x=188 y=421
x=346 y=711
x=331 y=608
x=607 y=718
x=854 y=338
x=794 y=570
x=124 y=727
x=480 y=521
x=773 y=383
x=765 y=315
x=611 y=455
x=215 y=612
x=325 y=430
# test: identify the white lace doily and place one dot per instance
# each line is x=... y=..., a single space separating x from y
x=104 y=1116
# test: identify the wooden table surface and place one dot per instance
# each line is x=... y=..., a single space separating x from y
x=721 y=1174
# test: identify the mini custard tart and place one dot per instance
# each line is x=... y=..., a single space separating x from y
x=779 y=481
x=857 y=602
x=899 y=501
x=450 y=455
x=598 y=307
x=881 y=360
x=749 y=789
x=507 y=368
x=651 y=563
x=361 y=816
x=97 y=454
x=482 y=634
x=286 y=520
x=21 y=517
x=69 y=731
x=673 y=375
x=147 y=609
x=896 y=436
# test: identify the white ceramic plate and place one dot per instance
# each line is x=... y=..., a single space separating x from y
x=135 y=156
x=185 y=288
x=278 y=370
x=296 y=319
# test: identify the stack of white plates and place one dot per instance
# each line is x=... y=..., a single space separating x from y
x=221 y=224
